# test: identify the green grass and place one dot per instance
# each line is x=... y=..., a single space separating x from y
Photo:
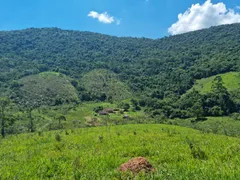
x=45 y=117
x=48 y=85
x=231 y=81
x=86 y=109
x=80 y=154
x=104 y=81
x=218 y=125
x=84 y=112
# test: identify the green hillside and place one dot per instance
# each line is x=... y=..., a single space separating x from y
x=105 y=83
x=49 y=88
x=145 y=65
x=97 y=153
x=231 y=81
x=65 y=68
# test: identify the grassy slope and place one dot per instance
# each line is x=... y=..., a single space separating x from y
x=50 y=84
x=231 y=81
x=103 y=81
x=219 y=125
x=81 y=154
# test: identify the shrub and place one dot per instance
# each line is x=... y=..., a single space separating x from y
x=236 y=116
x=98 y=109
x=58 y=137
x=196 y=151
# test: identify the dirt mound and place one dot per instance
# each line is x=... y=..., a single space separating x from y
x=137 y=165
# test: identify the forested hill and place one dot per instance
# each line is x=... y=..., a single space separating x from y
x=147 y=66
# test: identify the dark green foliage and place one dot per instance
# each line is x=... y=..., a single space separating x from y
x=124 y=106
x=100 y=138
x=98 y=109
x=40 y=133
x=236 y=116
x=4 y=103
x=58 y=137
x=98 y=67
x=31 y=127
x=60 y=119
x=135 y=105
x=144 y=64
x=218 y=102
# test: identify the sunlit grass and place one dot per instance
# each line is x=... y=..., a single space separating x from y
x=231 y=82
x=82 y=154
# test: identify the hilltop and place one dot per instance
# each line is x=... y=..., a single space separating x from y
x=145 y=65
x=48 y=88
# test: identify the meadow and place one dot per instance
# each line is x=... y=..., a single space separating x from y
x=97 y=153
x=230 y=81
x=225 y=125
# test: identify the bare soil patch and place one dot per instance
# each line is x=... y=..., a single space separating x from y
x=137 y=165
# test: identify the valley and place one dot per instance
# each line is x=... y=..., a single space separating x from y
x=77 y=105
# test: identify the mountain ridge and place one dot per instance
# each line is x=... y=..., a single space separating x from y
x=149 y=67
x=84 y=31
x=143 y=76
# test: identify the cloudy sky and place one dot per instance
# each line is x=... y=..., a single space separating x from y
x=138 y=18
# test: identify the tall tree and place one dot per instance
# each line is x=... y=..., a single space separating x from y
x=221 y=96
x=4 y=102
x=29 y=104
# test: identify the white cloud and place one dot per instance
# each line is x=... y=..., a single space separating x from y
x=103 y=17
x=204 y=16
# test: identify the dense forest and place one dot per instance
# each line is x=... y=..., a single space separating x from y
x=146 y=65
x=154 y=74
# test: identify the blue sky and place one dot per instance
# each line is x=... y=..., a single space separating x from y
x=138 y=18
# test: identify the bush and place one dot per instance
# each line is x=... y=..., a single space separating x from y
x=98 y=109
x=196 y=151
x=124 y=106
x=235 y=116
x=58 y=137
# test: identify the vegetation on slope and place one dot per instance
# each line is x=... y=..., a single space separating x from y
x=146 y=65
x=106 y=68
x=48 y=88
x=97 y=153
x=104 y=85
x=46 y=74
x=218 y=102
x=230 y=80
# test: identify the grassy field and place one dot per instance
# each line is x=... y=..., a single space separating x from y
x=82 y=115
x=231 y=81
x=86 y=110
x=97 y=153
x=217 y=125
